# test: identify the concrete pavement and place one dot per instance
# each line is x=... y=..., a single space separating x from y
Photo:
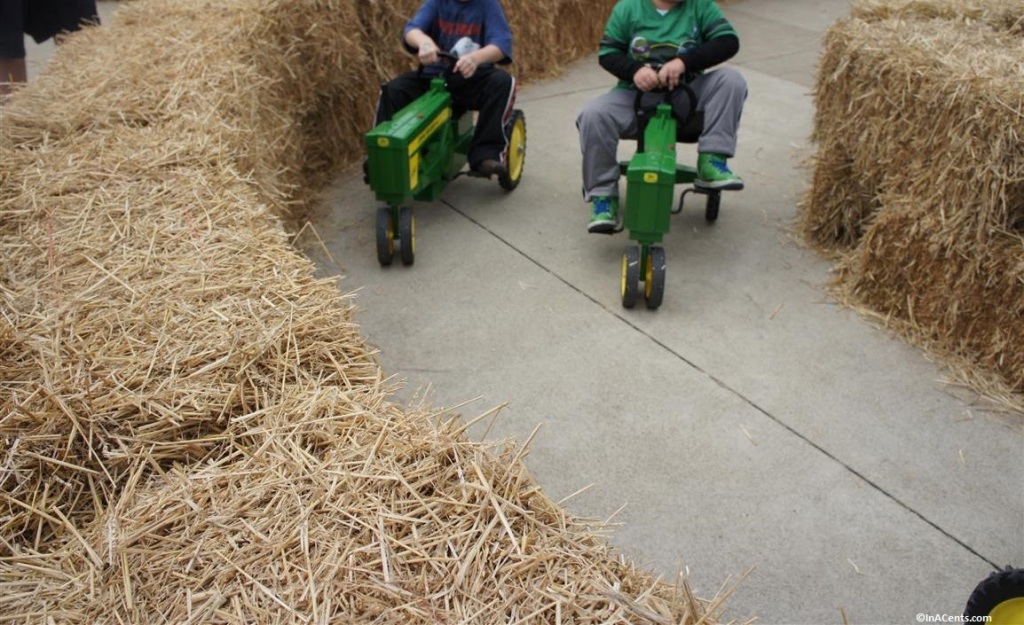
x=750 y=421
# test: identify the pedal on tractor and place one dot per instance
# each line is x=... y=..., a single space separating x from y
x=651 y=177
x=417 y=153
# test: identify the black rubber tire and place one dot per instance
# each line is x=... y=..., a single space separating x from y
x=630 y=276
x=654 y=280
x=516 y=133
x=406 y=235
x=995 y=589
x=711 y=208
x=385 y=237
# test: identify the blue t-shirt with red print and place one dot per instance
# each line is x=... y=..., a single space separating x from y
x=447 y=21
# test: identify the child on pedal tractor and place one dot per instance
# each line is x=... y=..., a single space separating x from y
x=652 y=45
x=479 y=33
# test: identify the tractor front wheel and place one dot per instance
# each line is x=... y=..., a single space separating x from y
x=385 y=236
x=630 y=276
x=654 y=279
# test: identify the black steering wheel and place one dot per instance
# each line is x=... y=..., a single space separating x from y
x=445 y=59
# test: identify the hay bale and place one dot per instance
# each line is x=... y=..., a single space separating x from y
x=192 y=427
x=559 y=32
x=151 y=298
x=1001 y=14
x=406 y=521
x=245 y=71
x=962 y=300
x=920 y=112
x=930 y=109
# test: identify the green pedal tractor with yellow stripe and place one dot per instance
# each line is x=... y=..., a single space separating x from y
x=414 y=156
x=651 y=177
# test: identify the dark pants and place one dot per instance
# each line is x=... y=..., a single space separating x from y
x=489 y=90
x=42 y=19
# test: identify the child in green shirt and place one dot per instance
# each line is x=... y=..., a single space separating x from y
x=661 y=45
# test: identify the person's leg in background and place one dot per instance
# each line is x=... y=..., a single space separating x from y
x=12 y=46
x=41 y=19
x=61 y=17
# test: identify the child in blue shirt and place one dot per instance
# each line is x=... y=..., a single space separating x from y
x=476 y=83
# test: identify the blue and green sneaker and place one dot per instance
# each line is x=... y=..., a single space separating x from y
x=602 y=220
x=714 y=173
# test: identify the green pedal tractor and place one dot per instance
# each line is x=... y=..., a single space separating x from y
x=651 y=177
x=417 y=153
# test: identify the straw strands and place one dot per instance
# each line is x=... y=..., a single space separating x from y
x=367 y=515
x=974 y=293
x=1003 y=15
x=151 y=297
x=247 y=73
x=918 y=183
x=192 y=427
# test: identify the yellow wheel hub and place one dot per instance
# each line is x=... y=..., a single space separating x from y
x=1010 y=612
x=648 y=276
x=625 y=265
x=517 y=150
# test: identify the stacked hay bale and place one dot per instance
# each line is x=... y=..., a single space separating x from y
x=193 y=429
x=918 y=180
x=262 y=76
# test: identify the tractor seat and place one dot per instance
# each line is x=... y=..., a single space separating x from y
x=688 y=132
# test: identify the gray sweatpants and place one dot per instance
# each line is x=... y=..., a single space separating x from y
x=608 y=117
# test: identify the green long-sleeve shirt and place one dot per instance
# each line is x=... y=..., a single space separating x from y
x=637 y=29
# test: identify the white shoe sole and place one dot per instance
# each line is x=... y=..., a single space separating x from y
x=722 y=185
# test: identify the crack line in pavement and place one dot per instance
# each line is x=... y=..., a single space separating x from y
x=726 y=387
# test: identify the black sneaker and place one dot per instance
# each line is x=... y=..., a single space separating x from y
x=489 y=167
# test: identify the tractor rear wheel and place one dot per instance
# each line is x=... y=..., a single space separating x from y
x=711 y=208
x=630 y=276
x=1000 y=596
x=516 y=151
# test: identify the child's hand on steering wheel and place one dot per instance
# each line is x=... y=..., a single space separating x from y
x=428 y=53
x=466 y=65
x=646 y=78
x=671 y=74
